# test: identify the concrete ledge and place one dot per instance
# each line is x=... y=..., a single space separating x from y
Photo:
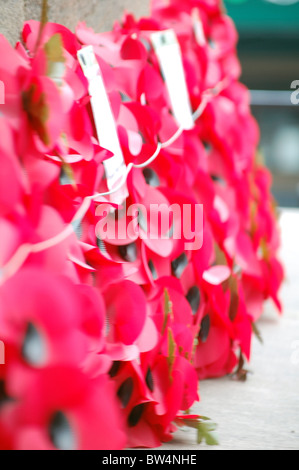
x=11 y=19
x=98 y=14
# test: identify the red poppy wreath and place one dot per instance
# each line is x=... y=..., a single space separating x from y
x=139 y=236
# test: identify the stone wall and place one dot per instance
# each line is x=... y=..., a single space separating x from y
x=99 y=14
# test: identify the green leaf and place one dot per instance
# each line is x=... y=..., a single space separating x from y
x=55 y=58
x=206 y=432
x=37 y=109
x=69 y=174
x=44 y=13
x=205 y=428
x=167 y=309
x=54 y=49
x=240 y=374
x=212 y=439
x=220 y=255
x=234 y=301
x=43 y=22
x=171 y=350
x=257 y=333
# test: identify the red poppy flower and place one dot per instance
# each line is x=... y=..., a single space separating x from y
x=79 y=414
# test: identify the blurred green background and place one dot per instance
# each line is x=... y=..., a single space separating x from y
x=269 y=53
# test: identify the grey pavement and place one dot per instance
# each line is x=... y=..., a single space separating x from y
x=263 y=412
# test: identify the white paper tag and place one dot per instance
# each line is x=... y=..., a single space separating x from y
x=169 y=54
x=198 y=27
x=115 y=167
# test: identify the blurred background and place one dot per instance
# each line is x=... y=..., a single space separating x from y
x=269 y=53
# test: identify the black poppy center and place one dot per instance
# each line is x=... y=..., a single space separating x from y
x=33 y=348
x=125 y=391
x=193 y=298
x=151 y=177
x=60 y=432
x=178 y=265
x=205 y=328
x=149 y=380
x=114 y=369
x=136 y=415
x=128 y=252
